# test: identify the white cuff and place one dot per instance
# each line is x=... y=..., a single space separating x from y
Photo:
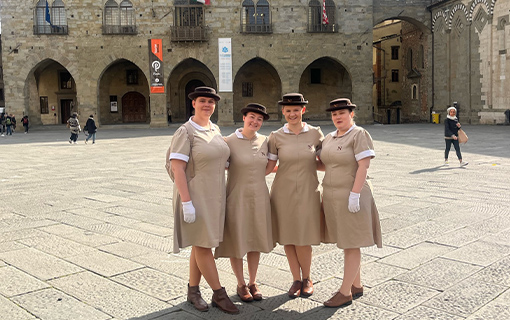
x=273 y=157
x=179 y=156
x=365 y=154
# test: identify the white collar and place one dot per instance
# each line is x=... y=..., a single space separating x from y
x=333 y=134
x=199 y=127
x=451 y=118
x=304 y=129
x=239 y=134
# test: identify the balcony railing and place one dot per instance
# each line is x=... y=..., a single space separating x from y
x=324 y=28
x=195 y=33
x=256 y=28
x=118 y=29
x=50 y=29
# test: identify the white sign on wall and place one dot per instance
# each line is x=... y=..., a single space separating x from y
x=225 y=64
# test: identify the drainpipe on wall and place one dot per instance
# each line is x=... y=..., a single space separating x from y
x=433 y=68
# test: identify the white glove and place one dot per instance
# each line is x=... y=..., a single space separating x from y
x=354 y=202
x=189 y=212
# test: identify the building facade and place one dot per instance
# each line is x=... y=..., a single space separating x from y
x=93 y=57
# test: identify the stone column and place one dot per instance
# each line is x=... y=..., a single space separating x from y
x=158 y=110
x=226 y=109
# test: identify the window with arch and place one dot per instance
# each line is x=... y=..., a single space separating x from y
x=50 y=19
x=256 y=18
x=119 y=18
x=321 y=16
x=414 y=92
x=189 y=22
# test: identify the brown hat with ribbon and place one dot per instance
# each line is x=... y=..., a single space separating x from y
x=257 y=108
x=341 y=103
x=293 y=99
x=204 y=92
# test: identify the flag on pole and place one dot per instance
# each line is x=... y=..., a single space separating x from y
x=324 y=15
x=48 y=18
x=206 y=2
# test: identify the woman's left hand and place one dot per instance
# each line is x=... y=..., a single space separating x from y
x=354 y=202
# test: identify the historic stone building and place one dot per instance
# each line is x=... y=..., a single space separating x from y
x=471 y=40
x=93 y=57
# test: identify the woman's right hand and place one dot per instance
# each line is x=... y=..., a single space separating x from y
x=189 y=212
x=455 y=138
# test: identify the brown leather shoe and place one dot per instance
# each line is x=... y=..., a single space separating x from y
x=356 y=292
x=221 y=300
x=255 y=292
x=307 y=289
x=195 y=298
x=244 y=293
x=338 y=300
x=295 y=290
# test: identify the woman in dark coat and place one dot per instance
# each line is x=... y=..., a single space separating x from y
x=451 y=135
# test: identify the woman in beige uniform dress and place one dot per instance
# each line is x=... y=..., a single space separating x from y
x=352 y=219
x=199 y=196
x=295 y=195
x=248 y=216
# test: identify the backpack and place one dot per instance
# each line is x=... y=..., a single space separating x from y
x=190 y=172
x=8 y=122
x=25 y=120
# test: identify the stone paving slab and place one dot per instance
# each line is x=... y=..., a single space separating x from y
x=98 y=233
x=39 y=264
x=15 y=282
x=52 y=304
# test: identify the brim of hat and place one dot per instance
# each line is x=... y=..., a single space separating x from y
x=195 y=95
x=292 y=103
x=245 y=110
x=352 y=107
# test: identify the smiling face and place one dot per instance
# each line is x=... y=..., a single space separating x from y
x=293 y=114
x=204 y=106
x=342 y=119
x=252 y=121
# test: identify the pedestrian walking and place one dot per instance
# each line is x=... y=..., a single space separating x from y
x=352 y=219
x=248 y=229
x=8 y=125
x=451 y=136
x=74 y=125
x=91 y=128
x=25 y=123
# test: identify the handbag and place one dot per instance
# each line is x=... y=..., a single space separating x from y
x=463 y=138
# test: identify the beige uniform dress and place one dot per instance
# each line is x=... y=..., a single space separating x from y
x=295 y=194
x=340 y=155
x=248 y=215
x=209 y=154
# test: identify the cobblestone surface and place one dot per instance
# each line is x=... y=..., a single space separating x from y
x=86 y=232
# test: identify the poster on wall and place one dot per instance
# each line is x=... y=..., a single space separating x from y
x=225 y=64
x=156 y=66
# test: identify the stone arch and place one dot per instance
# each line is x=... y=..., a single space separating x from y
x=43 y=81
x=184 y=77
x=101 y=65
x=330 y=80
x=474 y=4
x=257 y=81
x=457 y=7
x=118 y=78
x=441 y=15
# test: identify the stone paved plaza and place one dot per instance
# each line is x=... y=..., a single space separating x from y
x=86 y=232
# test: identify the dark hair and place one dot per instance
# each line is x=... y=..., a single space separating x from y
x=92 y=116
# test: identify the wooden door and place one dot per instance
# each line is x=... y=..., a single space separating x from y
x=134 y=107
x=65 y=109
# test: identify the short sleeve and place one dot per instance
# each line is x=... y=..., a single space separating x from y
x=318 y=147
x=271 y=147
x=181 y=146
x=363 y=145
